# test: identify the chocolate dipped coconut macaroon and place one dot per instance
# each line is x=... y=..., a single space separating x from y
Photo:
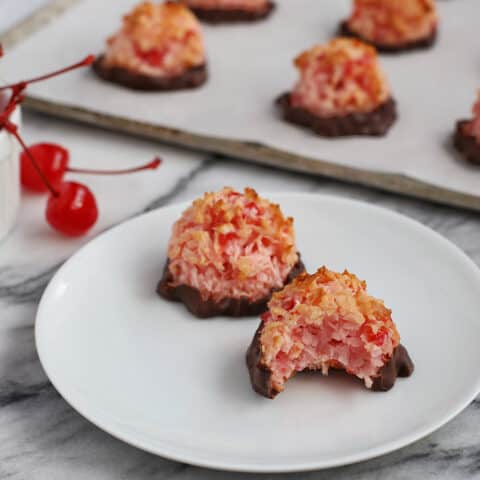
x=230 y=11
x=467 y=135
x=159 y=47
x=323 y=321
x=393 y=25
x=228 y=253
x=341 y=91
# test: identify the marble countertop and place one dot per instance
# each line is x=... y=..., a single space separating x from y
x=42 y=437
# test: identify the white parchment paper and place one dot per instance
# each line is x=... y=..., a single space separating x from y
x=251 y=64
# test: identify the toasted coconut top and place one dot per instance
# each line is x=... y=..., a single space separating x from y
x=150 y=24
x=157 y=39
x=327 y=320
x=327 y=294
x=232 y=244
x=393 y=22
x=340 y=77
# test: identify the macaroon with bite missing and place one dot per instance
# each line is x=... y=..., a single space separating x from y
x=326 y=321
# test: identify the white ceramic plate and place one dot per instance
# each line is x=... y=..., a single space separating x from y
x=149 y=373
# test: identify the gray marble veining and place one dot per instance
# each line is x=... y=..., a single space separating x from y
x=42 y=437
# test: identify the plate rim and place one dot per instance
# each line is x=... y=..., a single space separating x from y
x=245 y=467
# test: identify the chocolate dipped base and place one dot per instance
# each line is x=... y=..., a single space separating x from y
x=400 y=365
x=466 y=144
x=374 y=123
x=192 y=78
x=421 y=43
x=232 y=15
x=232 y=307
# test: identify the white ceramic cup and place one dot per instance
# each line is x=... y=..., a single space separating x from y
x=9 y=178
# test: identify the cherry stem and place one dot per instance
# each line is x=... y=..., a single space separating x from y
x=154 y=164
x=21 y=85
x=16 y=98
x=13 y=129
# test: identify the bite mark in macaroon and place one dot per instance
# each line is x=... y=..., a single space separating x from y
x=323 y=321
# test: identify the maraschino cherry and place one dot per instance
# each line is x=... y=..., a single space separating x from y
x=73 y=210
x=54 y=161
x=71 y=206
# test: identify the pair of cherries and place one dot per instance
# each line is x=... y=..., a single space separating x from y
x=71 y=206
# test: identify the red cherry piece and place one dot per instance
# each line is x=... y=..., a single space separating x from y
x=51 y=158
x=73 y=211
x=153 y=57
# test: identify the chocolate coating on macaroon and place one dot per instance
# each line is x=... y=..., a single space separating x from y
x=466 y=144
x=421 y=43
x=374 y=123
x=234 y=15
x=232 y=307
x=400 y=365
x=260 y=374
x=192 y=78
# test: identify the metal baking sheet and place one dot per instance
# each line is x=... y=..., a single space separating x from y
x=249 y=65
